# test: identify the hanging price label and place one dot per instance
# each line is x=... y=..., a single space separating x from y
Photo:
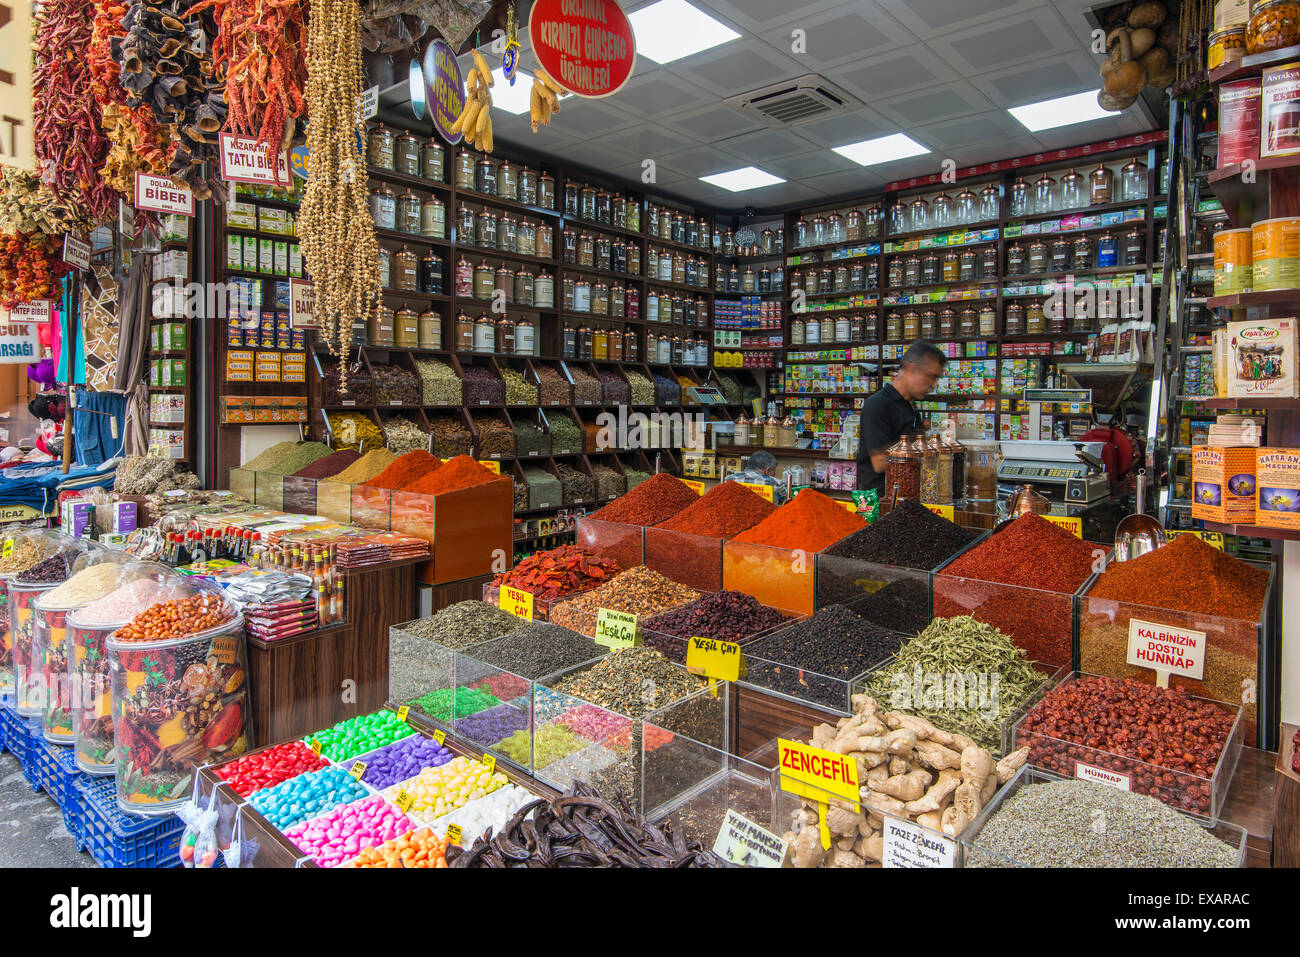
x=440 y=737
x=453 y=833
x=765 y=491
x=1071 y=523
x=402 y=712
x=615 y=629
x=358 y=770
x=715 y=659
x=516 y=602
x=943 y=511
x=403 y=800
x=76 y=251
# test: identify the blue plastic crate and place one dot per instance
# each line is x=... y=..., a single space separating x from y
x=71 y=801
x=15 y=730
x=31 y=739
x=116 y=839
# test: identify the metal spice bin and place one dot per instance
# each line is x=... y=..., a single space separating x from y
x=973 y=851
x=1205 y=802
x=1231 y=653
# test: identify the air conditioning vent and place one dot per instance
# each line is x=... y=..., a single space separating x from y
x=792 y=102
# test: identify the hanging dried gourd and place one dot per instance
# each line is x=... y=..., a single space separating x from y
x=260 y=47
x=335 y=228
x=475 y=120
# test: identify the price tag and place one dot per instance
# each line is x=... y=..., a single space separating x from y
x=698 y=486
x=403 y=800
x=615 y=629
x=715 y=659
x=516 y=601
x=1166 y=649
x=358 y=770
x=370 y=103
x=402 y=712
x=759 y=489
x=848 y=505
x=1071 y=523
x=440 y=737
x=76 y=251
x=943 y=511
x=226 y=649
x=9 y=548
x=453 y=833
x=1112 y=779
x=315 y=747
x=490 y=762
x=815 y=773
x=743 y=842
x=910 y=845
x=490 y=465
x=1214 y=539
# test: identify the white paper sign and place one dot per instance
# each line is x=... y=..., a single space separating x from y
x=1112 y=779
x=161 y=195
x=76 y=252
x=910 y=845
x=244 y=160
x=743 y=842
x=302 y=304
x=370 y=103
x=20 y=340
x=1179 y=651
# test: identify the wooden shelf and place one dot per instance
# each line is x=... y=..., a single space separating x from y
x=1274 y=298
x=488 y=252
x=706 y=252
x=1252 y=65
x=1084 y=211
x=1255 y=531
x=397 y=236
x=415 y=182
x=820 y=247
x=626 y=277
x=583 y=223
x=680 y=287
x=1246 y=201
x=483 y=199
x=1259 y=402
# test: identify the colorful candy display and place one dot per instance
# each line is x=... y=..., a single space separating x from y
x=265 y=769
x=420 y=848
x=365 y=732
x=342 y=833
x=306 y=796
x=438 y=791
x=401 y=760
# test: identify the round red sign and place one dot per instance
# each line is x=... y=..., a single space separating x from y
x=587 y=46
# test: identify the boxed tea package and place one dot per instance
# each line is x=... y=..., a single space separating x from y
x=1223 y=484
x=1261 y=357
x=1277 y=478
x=1279 y=110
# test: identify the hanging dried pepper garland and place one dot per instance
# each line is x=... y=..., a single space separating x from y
x=70 y=145
x=335 y=229
x=29 y=268
x=260 y=46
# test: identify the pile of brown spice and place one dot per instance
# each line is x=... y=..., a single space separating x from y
x=637 y=591
x=1188 y=575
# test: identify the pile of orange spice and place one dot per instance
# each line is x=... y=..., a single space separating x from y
x=176 y=618
x=810 y=521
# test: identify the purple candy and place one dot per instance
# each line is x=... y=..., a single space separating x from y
x=402 y=760
x=490 y=726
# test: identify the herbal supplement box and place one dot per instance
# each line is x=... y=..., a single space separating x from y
x=1279 y=110
x=1262 y=358
x=1277 y=478
x=1223 y=484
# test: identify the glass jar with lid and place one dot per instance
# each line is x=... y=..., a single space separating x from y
x=1033 y=318
x=587 y=249
x=504 y=281
x=385 y=268
x=429 y=327
x=929 y=323
x=524 y=280
x=1055 y=318
x=988 y=320
x=1019 y=204
x=1082 y=253
x=508 y=181
x=967 y=207
x=633 y=259
x=465 y=225
x=600 y=298
x=665 y=307
x=802 y=234
x=820 y=233
x=383 y=207
x=485 y=176
x=507 y=234
x=1273 y=24
x=918 y=214
x=911 y=325
x=604 y=209
x=947 y=322
x=379 y=327
x=871 y=218
x=546 y=191
x=1036 y=257
x=544 y=291
x=810 y=283
x=765 y=280
x=951 y=267
x=587 y=202
x=1014 y=320
x=665 y=271
x=930 y=470
x=968 y=265
x=604 y=245
x=1044 y=194
x=526 y=238
x=1059 y=254
x=1134 y=247
x=617 y=300
x=406 y=271
x=463 y=170
x=433 y=218
x=1015 y=259
x=1133 y=177
x=571 y=199
x=569 y=246
x=894 y=274
x=696 y=273
x=858 y=328
x=484 y=281
x=678 y=273
x=835 y=227
x=1081 y=321
x=485 y=229
x=749 y=280
x=1100 y=185
x=485 y=335
x=840 y=279
x=406 y=155
x=677 y=310
x=1074 y=190
x=898 y=219
x=379 y=152
x=464 y=328
x=430 y=276
x=527 y=187
x=967 y=322
x=990 y=202
x=902 y=471
x=1107 y=251
x=464 y=285
x=545 y=242
x=406 y=328
x=796 y=331
x=525 y=337
x=858 y=276
x=826 y=279
x=930 y=269
x=720 y=278
x=893 y=326
x=912 y=270
x=989 y=262
x=618 y=214
x=581 y=295
x=852 y=226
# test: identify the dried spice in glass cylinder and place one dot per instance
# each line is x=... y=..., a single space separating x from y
x=651 y=502
x=724 y=511
x=810 y=521
x=451 y=436
x=560 y=571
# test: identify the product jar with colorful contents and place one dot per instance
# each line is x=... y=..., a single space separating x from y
x=6 y=645
x=179 y=697
x=28 y=699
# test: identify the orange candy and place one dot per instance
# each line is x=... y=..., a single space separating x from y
x=420 y=848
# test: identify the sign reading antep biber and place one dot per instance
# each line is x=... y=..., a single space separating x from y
x=160 y=195
x=1179 y=651
x=244 y=160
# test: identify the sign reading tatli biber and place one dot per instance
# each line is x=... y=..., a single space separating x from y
x=1164 y=648
x=244 y=160
x=743 y=842
x=910 y=845
x=160 y=195
x=1112 y=779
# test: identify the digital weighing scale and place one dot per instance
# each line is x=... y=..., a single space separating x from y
x=1055 y=470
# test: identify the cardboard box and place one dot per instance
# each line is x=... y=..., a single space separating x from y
x=281 y=259
x=234 y=252
x=1262 y=358
x=241 y=215
x=1277 y=481
x=295 y=261
x=267 y=367
x=1279 y=126
x=250 y=253
x=1223 y=484
x=266 y=256
x=239 y=366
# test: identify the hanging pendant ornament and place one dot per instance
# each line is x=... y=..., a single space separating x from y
x=510 y=59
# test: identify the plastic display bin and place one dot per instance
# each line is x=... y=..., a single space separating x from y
x=625 y=544
x=116 y=839
x=28 y=696
x=694 y=560
x=780 y=577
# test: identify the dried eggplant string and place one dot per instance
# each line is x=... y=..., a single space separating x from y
x=336 y=231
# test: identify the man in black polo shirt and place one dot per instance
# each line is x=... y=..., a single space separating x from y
x=889 y=414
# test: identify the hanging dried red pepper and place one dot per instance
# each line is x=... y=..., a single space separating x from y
x=29 y=268
x=261 y=46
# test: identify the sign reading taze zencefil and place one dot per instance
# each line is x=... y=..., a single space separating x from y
x=815 y=773
x=160 y=195
x=909 y=845
x=244 y=160
x=1179 y=651
x=587 y=46
x=20 y=339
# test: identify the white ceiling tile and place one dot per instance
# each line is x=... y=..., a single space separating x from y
x=649 y=140
x=756 y=16
x=852 y=127
x=715 y=122
x=812 y=163
x=1028 y=36
x=1094 y=131
x=700 y=161
x=951 y=135
x=1002 y=148
x=1043 y=79
x=929 y=18
x=589 y=119
x=659 y=94
x=849 y=32
x=739 y=66
x=909 y=68
x=933 y=104
x=762 y=145
x=845 y=183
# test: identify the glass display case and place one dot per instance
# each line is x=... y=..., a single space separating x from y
x=334 y=500
x=778 y=577
x=624 y=544
x=694 y=560
x=268 y=490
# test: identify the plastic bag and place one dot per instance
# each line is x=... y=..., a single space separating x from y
x=198 y=847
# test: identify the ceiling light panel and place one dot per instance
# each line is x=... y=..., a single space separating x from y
x=672 y=29
x=882 y=149
x=738 y=180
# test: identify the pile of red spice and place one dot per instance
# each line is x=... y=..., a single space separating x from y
x=1031 y=552
x=810 y=521
x=454 y=474
x=1187 y=575
x=725 y=510
x=560 y=571
x=406 y=470
x=330 y=465
x=657 y=499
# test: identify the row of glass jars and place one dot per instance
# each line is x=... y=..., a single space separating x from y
x=595 y=342
x=407 y=154
x=674 y=267
x=601 y=252
x=814 y=330
x=946 y=211
x=407 y=272
x=676 y=227
x=521 y=287
x=837 y=227
x=1043 y=255
x=931 y=469
x=601 y=298
x=502 y=336
x=842 y=278
x=600 y=206
x=981 y=321
x=676 y=350
x=662 y=306
x=405 y=328
x=1075 y=191
x=408 y=213
x=952 y=266
x=482 y=174
x=771 y=242
x=493 y=230
x=732 y=279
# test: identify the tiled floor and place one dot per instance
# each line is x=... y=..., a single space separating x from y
x=31 y=826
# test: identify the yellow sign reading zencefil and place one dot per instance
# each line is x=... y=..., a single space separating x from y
x=615 y=629
x=719 y=660
x=814 y=773
x=765 y=491
x=516 y=601
x=1071 y=523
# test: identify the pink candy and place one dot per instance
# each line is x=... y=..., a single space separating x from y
x=346 y=831
x=593 y=723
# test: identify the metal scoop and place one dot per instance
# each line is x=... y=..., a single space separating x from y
x=1138 y=534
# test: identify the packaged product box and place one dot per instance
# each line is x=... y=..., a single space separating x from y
x=241 y=215
x=1277 y=480
x=266 y=256
x=280 y=259
x=267 y=367
x=280 y=295
x=250 y=253
x=1239 y=121
x=299 y=340
x=234 y=332
x=174 y=338
x=272 y=220
x=236 y=409
x=179 y=371
x=1279 y=111
x=234 y=252
x=124 y=517
x=1223 y=484
x=295 y=261
x=1262 y=358
x=174 y=228
x=239 y=366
